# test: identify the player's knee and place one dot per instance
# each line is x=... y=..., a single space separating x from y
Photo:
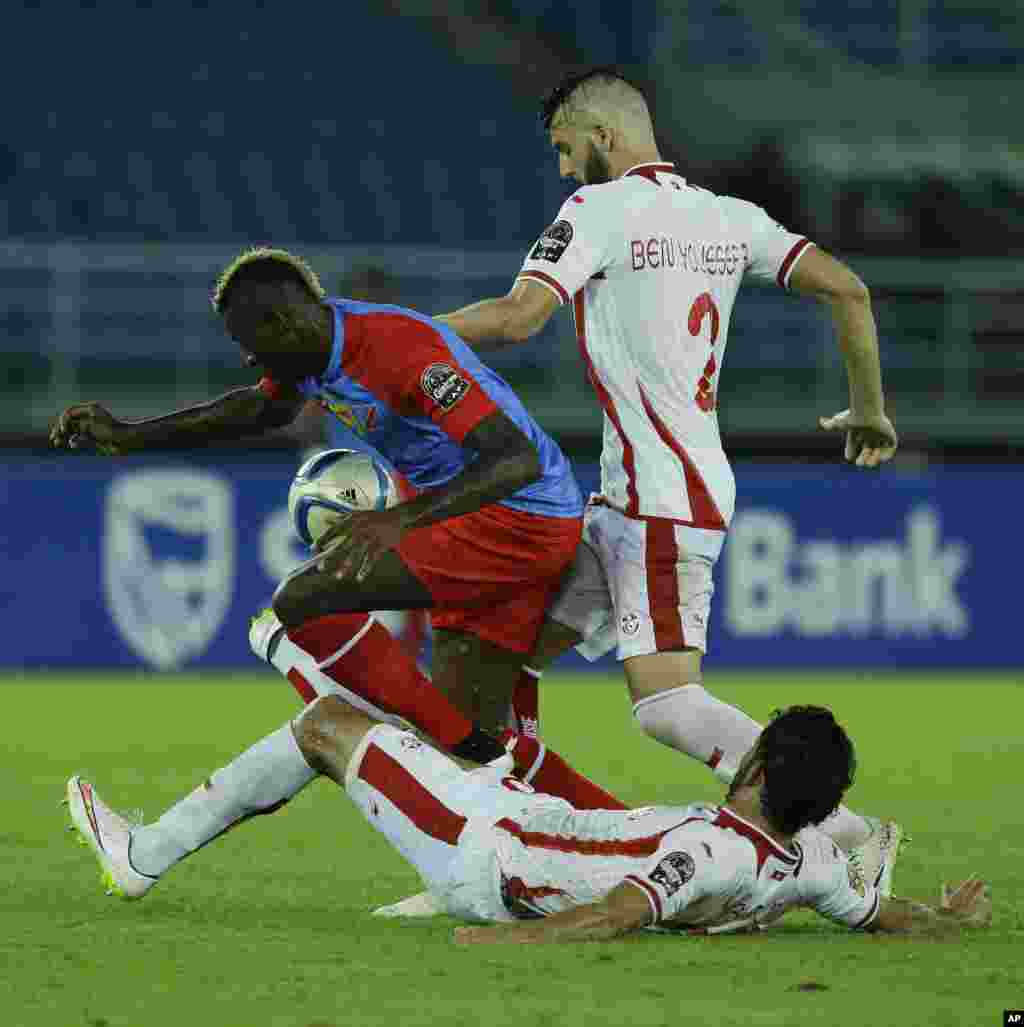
x=324 y=727
x=284 y=605
x=295 y=603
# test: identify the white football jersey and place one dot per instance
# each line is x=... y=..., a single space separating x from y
x=699 y=866
x=652 y=266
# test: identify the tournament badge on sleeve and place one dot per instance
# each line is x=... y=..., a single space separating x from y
x=553 y=243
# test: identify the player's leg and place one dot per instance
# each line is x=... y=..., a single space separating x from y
x=491 y=575
x=480 y=677
x=309 y=592
x=524 y=708
x=660 y=575
x=476 y=674
x=415 y=796
x=471 y=563
x=553 y=640
x=327 y=620
x=257 y=781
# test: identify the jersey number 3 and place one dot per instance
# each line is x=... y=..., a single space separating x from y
x=704 y=306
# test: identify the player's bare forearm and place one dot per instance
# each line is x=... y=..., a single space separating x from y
x=857 y=335
x=820 y=275
x=505 y=319
x=966 y=907
x=507 y=462
x=236 y=414
x=584 y=923
x=905 y=916
x=490 y=321
x=623 y=909
x=90 y=426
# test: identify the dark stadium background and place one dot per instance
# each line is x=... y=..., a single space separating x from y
x=397 y=146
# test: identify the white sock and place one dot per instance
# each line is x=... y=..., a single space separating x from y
x=693 y=721
x=263 y=777
x=846 y=828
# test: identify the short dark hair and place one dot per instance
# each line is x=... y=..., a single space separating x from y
x=808 y=763
x=266 y=265
x=572 y=82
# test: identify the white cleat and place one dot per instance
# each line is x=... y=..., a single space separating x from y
x=422 y=905
x=108 y=835
x=262 y=629
x=876 y=857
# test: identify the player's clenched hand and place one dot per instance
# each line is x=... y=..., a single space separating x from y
x=352 y=546
x=870 y=439
x=968 y=902
x=87 y=425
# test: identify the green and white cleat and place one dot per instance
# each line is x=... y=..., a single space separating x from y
x=421 y=905
x=263 y=629
x=109 y=836
x=876 y=857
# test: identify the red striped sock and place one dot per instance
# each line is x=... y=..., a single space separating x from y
x=525 y=712
x=547 y=772
x=357 y=653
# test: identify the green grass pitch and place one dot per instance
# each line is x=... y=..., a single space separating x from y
x=269 y=926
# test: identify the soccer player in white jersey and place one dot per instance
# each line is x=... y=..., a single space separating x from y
x=651 y=265
x=490 y=849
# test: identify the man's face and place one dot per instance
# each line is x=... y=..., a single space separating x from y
x=578 y=157
x=284 y=337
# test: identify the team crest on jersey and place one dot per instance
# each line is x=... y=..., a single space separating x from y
x=553 y=243
x=444 y=385
x=857 y=882
x=673 y=871
x=630 y=623
x=359 y=419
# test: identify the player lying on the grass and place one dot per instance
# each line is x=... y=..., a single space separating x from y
x=482 y=544
x=491 y=849
x=651 y=266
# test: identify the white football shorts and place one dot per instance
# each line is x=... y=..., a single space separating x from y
x=642 y=586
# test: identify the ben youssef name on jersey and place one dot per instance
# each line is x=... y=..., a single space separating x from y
x=709 y=258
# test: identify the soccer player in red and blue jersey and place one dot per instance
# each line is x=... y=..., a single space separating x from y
x=483 y=542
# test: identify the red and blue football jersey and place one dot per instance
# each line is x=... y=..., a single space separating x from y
x=412 y=389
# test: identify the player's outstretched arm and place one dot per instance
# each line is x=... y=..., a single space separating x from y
x=967 y=906
x=870 y=436
x=505 y=319
x=248 y=411
x=624 y=909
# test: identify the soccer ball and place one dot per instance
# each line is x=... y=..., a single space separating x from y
x=333 y=484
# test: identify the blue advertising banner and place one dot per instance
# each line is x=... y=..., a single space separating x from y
x=159 y=562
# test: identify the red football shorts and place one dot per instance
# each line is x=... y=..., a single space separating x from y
x=492 y=573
